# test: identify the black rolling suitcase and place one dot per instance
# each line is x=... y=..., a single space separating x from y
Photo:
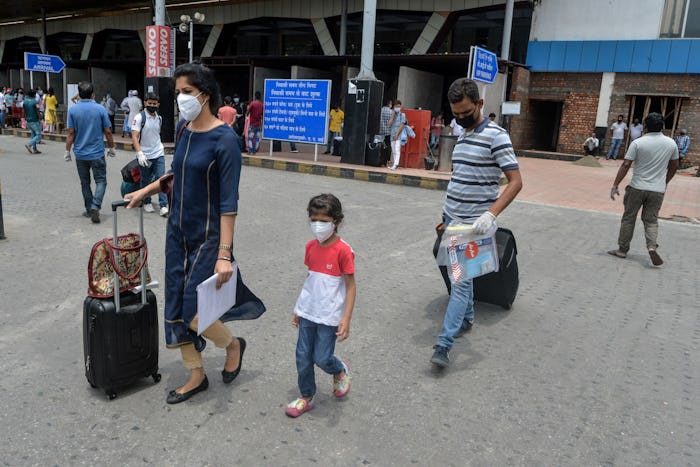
x=120 y=334
x=337 y=143
x=497 y=288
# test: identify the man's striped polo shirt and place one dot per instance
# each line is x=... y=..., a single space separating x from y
x=478 y=159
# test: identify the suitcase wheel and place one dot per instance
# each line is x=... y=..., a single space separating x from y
x=156 y=377
x=111 y=394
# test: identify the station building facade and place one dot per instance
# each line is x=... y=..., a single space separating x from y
x=588 y=62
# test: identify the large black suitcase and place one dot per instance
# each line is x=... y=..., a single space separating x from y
x=497 y=288
x=120 y=335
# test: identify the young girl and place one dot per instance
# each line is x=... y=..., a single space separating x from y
x=324 y=307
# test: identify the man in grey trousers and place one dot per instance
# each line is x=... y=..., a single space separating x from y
x=655 y=158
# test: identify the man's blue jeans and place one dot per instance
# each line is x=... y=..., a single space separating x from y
x=99 y=172
x=2 y=119
x=316 y=344
x=254 y=133
x=614 y=149
x=329 y=144
x=35 y=128
x=152 y=173
x=460 y=308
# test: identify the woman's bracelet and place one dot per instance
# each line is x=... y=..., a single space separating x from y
x=224 y=246
x=223 y=258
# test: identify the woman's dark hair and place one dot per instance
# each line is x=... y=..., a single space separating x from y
x=50 y=91
x=203 y=78
x=461 y=88
x=654 y=122
x=328 y=205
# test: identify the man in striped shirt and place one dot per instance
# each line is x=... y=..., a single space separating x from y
x=481 y=154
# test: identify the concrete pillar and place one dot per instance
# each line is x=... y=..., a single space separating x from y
x=324 y=37
x=606 y=89
x=212 y=40
x=85 y=54
x=2 y=49
x=418 y=88
x=430 y=31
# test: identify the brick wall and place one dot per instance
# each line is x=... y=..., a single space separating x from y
x=579 y=94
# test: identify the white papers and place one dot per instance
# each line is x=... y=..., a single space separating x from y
x=212 y=303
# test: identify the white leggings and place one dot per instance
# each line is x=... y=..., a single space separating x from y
x=395 y=153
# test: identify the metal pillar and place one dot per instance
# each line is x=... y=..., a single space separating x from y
x=368 y=26
x=507 y=26
x=160 y=12
x=191 y=43
x=343 y=26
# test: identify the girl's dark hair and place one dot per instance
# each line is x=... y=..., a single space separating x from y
x=203 y=78
x=326 y=204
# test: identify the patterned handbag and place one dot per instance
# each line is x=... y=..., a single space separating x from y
x=102 y=265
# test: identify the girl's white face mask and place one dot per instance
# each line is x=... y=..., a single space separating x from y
x=322 y=230
x=189 y=106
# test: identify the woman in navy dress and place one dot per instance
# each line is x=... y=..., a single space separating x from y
x=204 y=202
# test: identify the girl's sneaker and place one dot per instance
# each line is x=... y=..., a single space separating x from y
x=299 y=406
x=341 y=386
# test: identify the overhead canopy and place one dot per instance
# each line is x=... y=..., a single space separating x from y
x=30 y=10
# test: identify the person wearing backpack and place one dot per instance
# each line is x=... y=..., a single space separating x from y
x=145 y=134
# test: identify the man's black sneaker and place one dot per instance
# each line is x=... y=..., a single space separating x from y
x=464 y=328
x=441 y=356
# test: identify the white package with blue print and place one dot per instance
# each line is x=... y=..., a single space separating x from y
x=466 y=254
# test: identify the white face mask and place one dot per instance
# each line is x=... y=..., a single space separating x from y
x=322 y=230
x=189 y=106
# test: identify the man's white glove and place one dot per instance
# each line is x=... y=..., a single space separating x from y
x=66 y=156
x=110 y=152
x=484 y=223
x=614 y=191
x=143 y=161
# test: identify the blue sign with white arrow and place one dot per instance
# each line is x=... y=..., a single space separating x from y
x=43 y=63
x=484 y=65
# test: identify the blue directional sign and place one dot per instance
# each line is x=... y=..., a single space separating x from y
x=484 y=65
x=43 y=63
x=296 y=110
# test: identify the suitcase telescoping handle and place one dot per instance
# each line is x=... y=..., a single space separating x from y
x=115 y=235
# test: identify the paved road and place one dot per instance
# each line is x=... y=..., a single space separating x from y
x=596 y=364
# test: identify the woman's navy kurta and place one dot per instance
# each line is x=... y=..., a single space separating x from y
x=206 y=170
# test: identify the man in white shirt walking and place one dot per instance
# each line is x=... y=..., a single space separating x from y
x=145 y=134
x=655 y=158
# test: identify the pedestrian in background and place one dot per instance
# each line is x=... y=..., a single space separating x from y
x=437 y=123
x=124 y=107
x=636 y=129
x=591 y=144
x=199 y=237
x=655 y=158
x=110 y=106
x=335 y=125
x=255 y=122
x=482 y=153
x=683 y=144
x=135 y=106
x=3 y=109
x=51 y=104
x=397 y=123
x=32 y=116
x=87 y=123
x=617 y=131
x=227 y=113
x=145 y=136
x=324 y=308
